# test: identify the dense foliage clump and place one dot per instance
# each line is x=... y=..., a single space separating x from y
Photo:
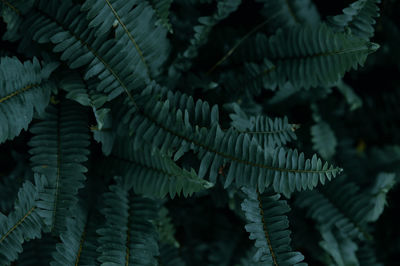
x=145 y=132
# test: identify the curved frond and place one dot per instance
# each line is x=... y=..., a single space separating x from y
x=24 y=90
x=383 y=183
x=358 y=17
x=59 y=148
x=341 y=249
x=312 y=56
x=22 y=224
x=268 y=226
x=135 y=28
x=67 y=28
x=149 y=172
x=285 y=170
x=128 y=237
x=341 y=205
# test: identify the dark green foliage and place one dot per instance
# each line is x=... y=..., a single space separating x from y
x=268 y=227
x=25 y=92
x=23 y=223
x=160 y=132
x=58 y=149
x=128 y=236
x=359 y=18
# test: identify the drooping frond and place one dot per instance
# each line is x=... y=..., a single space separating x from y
x=340 y=248
x=324 y=139
x=311 y=56
x=288 y=13
x=22 y=224
x=128 y=236
x=339 y=204
x=135 y=28
x=67 y=28
x=358 y=17
x=285 y=170
x=268 y=226
x=383 y=183
x=76 y=248
x=149 y=172
x=23 y=90
x=58 y=151
x=162 y=10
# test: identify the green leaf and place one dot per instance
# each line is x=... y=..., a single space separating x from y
x=59 y=148
x=268 y=226
x=24 y=91
x=23 y=223
x=128 y=236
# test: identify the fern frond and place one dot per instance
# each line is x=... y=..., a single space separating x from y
x=286 y=170
x=324 y=139
x=128 y=237
x=358 y=17
x=24 y=90
x=268 y=132
x=67 y=28
x=22 y=224
x=383 y=183
x=341 y=205
x=311 y=56
x=268 y=226
x=58 y=151
x=339 y=247
x=136 y=30
x=151 y=173
x=288 y=13
x=75 y=246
